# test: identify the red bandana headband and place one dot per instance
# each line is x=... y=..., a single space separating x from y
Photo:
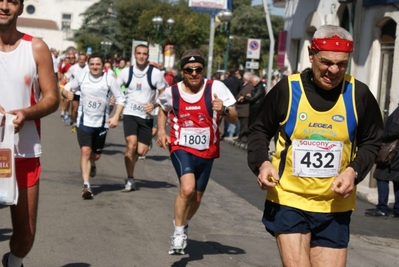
x=334 y=43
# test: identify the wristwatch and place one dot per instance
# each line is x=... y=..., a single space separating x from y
x=225 y=110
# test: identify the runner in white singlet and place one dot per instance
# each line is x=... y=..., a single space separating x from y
x=23 y=59
x=93 y=119
x=142 y=82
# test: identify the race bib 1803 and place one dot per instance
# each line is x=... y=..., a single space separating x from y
x=197 y=138
x=316 y=158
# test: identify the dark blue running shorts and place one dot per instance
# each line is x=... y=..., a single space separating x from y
x=92 y=137
x=184 y=163
x=327 y=229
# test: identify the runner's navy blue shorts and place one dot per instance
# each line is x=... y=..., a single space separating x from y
x=184 y=163
x=327 y=229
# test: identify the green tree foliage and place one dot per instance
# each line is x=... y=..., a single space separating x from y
x=250 y=22
x=190 y=29
x=126 y=20
x=99 y=24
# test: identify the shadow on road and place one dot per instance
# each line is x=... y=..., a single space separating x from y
x=77 y=264
x=153 y=184
x=5 y=234
x=157 y=158
x=99 y=188
x=196 y=251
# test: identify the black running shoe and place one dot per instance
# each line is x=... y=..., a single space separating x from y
x=86 y=192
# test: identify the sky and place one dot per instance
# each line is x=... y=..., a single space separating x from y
x=272 y=10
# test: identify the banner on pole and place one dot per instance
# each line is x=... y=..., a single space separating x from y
x=281 y=48
x=211 y=4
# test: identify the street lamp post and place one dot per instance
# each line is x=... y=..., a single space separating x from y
x=105 y=45
x=160 y=30
x=225 y=16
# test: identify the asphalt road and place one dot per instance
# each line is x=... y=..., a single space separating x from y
x=134 y=229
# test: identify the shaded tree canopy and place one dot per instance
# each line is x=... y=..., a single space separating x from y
x=121 y=21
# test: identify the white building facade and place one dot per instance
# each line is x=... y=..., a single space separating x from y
x=54 y=21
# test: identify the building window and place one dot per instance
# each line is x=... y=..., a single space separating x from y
x=66 y=16
x=66 y=21
x=30 y=9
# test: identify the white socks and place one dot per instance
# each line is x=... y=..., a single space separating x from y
x=14 y=261
x=179 y=230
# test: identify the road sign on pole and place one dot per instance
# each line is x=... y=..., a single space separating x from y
x=252 y=65
x=253 y=49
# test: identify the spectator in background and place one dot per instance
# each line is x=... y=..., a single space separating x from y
x=275 y=80
x=108 y=68
x=121 y=66
x=216 y=76
x=255 y=98
x=169 y=76
x=239 y=74
x=177 y=76
x=115 y=61
x=233 y=83
x=242 y=107
x=384 y=174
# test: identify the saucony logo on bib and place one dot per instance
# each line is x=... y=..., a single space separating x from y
x=320 y=144
x=193 y=108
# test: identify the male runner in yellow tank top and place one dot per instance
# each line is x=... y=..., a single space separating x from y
x=329 y=132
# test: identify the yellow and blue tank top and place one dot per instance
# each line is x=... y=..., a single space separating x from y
x=313 y=148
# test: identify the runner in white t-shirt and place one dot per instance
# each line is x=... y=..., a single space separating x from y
x=142 y=82
x=93 y=119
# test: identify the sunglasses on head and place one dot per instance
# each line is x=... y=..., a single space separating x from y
x=198 y=70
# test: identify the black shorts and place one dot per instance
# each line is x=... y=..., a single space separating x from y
x=92 y=137
x=142 y=128
x=76 y=97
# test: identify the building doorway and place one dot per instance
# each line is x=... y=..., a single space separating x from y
x=388 y=32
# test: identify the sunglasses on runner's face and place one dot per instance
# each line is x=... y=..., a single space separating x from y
x=198 y=70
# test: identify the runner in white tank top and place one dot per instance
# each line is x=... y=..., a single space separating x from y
x=140 y=93
x=22 y=60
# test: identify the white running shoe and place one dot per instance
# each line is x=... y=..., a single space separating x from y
x=129 y=185
x=178 y=244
